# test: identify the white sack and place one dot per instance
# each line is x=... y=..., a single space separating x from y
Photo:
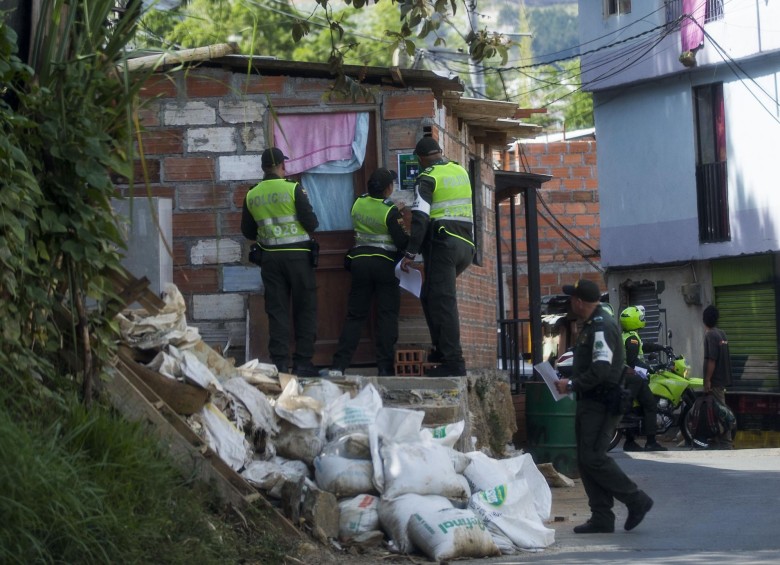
x=347 y=415
x=357 y=516
x=271 y=475
x=261 y=413
x=484 y=473
x=447 y=435
x=303 y=411
x=450 y=533
x=394 y=516
x=509 y=513
x=223 y=437
x=323 y=390
x=293 y=442
x=392 y=424
x=350 y=446
x=343 y=477
x=421 y=468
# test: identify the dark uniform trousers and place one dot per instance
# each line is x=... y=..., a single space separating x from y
x=640 y=390
x=445 y=257
x=371 y=276
x=289 y=275
x=603 y=479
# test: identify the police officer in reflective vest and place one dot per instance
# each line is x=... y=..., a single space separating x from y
x=379 y=242
x=442 y=229
x=631 y=320
x=278 y=215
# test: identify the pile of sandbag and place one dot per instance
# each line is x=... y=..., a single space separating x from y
x=391 y=477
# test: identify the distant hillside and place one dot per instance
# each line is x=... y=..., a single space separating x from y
x=555 y=29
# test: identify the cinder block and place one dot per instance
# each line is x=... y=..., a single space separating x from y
x=211 y=140
x=245 y=111
x=193 y=113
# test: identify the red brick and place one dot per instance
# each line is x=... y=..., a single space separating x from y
x=188 y=168
x=152 y=169
x=572 y=209
x=582 y=172
x=401 y=136
x=255 y=84
x=572 y=183
x=162 y=86
x=162 y=141
x=550 y=160
x=587 y=220
x=191 y=280
x=149 y=116
x=415 y=106
x=207 y=85
x=581 y=146
x=152 y=191
x=573 y=158
x=230 y=224
x=195 y=196
x=239 y=194
x=194 y=224
x=585 y=196
x=180 y=255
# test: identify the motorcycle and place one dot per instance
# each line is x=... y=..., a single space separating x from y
x=674 y=391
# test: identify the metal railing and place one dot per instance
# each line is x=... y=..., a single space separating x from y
x=514 y=338
x=713 y=202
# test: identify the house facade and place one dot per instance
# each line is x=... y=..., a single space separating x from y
x=204 y=126
x=686 y=109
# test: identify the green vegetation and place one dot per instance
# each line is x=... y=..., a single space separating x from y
x=81 y=485
x=77 y=483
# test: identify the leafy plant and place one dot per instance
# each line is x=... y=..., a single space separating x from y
x=67 y=124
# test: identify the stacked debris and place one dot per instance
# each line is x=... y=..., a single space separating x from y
x=337 y=460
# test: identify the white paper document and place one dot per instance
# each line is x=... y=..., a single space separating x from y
x=411 y=281
x=550 y=377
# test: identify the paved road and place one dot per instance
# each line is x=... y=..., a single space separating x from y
x=711 y=507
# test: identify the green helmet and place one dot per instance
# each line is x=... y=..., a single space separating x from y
x=632 y=318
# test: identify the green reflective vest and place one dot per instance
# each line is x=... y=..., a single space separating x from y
x=369 y=218
x=632 y=333
x=452 y=194
x=272 y=205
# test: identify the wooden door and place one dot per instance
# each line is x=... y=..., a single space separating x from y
x=333 y=284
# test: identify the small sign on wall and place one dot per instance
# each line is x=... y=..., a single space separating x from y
x=408 y=169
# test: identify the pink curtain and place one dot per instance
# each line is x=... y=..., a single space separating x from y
x=692 y=32
x=313 y=139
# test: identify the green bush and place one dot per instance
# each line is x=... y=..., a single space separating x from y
x=85 y=486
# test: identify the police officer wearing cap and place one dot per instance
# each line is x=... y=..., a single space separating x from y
x=598 y=366
x=442 y=230
x=379 y=243
x=277 y=215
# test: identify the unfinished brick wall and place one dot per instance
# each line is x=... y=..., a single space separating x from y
x=204 y=130
x=572 y=197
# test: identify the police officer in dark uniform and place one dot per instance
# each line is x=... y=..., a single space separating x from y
x=379 y=243
x=278 y=215
x=442 y=229
x=598 y=366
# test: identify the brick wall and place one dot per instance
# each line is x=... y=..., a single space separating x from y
x=572 y=198
x=203 y=134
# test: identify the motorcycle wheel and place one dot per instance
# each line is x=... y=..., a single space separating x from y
x=684 y=421
x=687 y=430
x=615 y=440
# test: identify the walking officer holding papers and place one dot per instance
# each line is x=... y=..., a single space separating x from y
x=277 y=215
x=597 y=373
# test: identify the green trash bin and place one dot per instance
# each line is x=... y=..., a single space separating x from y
x=550 y=429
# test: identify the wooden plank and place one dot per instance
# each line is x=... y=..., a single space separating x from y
x=137 y=402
